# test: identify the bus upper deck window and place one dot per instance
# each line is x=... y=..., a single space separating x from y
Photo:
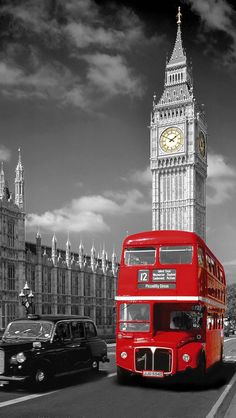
x=137 y=256
x=200 y=256
x=176 y=254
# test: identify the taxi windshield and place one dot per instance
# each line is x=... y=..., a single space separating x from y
x=40 y=330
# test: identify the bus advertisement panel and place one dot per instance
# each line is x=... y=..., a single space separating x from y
x=170 y=305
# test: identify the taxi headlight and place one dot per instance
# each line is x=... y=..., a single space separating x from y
x=20 y=357
x=124 y=355
x=186 y=358
x=17 y=358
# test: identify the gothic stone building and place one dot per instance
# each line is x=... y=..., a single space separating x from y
x=62 y=282
x=178 y=135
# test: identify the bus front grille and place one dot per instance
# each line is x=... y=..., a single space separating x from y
x=162 y=360
x=143 y=359
x=2 y=361
x=153 y=359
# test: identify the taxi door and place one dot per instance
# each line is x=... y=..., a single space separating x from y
x=70 y=351
x=79 y=346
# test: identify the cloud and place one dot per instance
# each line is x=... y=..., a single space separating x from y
x=122 y=36
x=5 y=153
x=50 y=81
x=143 y=177
x=128 y=202
x=63 y=220
x=112 y=75
x=9 y=75
x=221 y=181
x=230 y=263
x=98 y=203
x=218 y=15
x=73 y=47
x=87 y=213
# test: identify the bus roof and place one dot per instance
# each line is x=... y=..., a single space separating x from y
x=165 y=237
x=162 y=237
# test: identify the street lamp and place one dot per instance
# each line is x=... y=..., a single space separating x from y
x=26 y=296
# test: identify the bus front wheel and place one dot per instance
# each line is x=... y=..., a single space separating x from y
x=200 y=374
x=123 y=376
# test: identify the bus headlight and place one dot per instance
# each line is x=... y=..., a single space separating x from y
x=124 y=355
x=186 y=358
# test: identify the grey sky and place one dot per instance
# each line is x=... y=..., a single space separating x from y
x=77 y=80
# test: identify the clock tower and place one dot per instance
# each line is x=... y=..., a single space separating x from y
x=178 y=138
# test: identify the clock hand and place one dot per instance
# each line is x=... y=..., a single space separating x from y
x=172 y=139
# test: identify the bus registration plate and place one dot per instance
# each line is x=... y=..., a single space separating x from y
x=151 y=373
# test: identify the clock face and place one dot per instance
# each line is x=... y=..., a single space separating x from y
x=171 y=140
x=202 y=144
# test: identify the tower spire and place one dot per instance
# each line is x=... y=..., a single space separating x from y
x=178 y=56
x=19 y=183
x=179 y=15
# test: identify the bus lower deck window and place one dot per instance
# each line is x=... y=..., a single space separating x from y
x=134 y=317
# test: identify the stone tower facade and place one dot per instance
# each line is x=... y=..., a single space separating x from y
x=12 y=245
x=62 y=282
x=178 y=142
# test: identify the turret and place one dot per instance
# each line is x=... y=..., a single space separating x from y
x=104 y=260
x=54 y=250
x=68 y=253
x=93 y=258
x=19 y=184
x=114 y=263
x=81 y=255
x=2 y=181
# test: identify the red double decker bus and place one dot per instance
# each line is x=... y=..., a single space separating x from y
x=170 y=305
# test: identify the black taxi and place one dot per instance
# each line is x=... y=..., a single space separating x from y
x=36 y=348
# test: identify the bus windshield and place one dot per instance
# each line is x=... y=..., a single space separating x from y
x=176 y=254
x=137 y=256
x=134 y=317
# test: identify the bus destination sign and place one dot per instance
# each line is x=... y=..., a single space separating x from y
x=164 y=275
x=160 y=279
x=156 y=285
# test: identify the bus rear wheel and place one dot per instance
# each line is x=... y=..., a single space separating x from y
x=123 y=376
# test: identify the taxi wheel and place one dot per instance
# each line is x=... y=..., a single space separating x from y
x=41 y=377
x=95 y=365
